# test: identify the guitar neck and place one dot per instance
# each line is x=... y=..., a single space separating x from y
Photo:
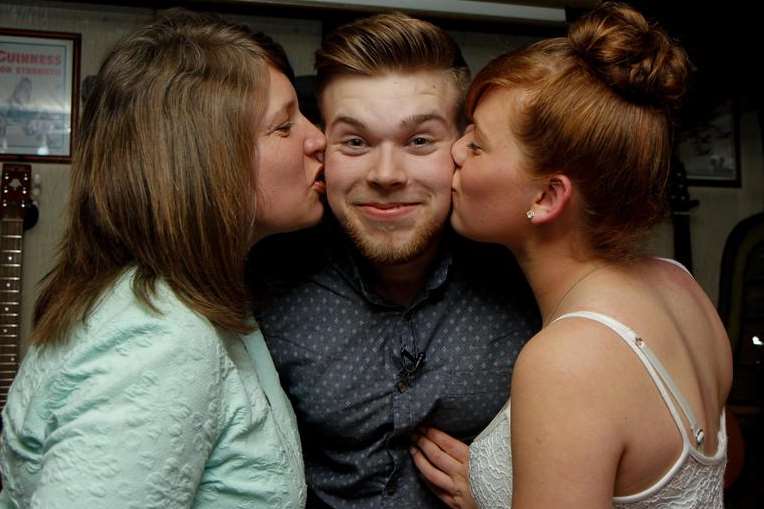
x=11 y=246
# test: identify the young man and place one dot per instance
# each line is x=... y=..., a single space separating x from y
x=394 y=322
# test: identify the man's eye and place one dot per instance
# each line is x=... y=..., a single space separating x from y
x=353 y=142
x=474 y=148
x=420 y=141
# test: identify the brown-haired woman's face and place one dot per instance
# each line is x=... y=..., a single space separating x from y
x=289 y=167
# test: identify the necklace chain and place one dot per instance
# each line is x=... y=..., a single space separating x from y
x=567 y=292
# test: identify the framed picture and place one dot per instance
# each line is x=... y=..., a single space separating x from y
x=709 y=146
x=39 y=92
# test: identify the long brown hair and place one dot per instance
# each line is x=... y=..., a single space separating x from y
x=597 y=106
x=162 y=176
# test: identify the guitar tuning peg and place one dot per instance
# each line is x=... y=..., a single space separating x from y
x=36 y=183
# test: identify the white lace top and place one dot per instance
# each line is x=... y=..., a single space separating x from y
x=694 y=481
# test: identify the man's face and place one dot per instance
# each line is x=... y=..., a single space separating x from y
x=388 y=162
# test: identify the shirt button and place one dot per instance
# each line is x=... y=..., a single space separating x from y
x=402 y=386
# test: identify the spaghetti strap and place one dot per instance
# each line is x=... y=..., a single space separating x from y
x=674 y=262
x=654 y=367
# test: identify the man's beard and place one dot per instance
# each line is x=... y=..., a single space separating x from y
x=383 y=249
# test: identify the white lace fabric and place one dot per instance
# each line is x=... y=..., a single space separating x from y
x=694 y=483
x=491 y=463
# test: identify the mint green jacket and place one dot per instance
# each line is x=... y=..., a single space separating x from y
x=144 y=410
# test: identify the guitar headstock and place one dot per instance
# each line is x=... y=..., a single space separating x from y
x=17 y=188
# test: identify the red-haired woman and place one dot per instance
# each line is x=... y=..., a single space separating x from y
x=618 y=401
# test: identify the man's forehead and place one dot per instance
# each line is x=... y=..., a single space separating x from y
x=395 y=97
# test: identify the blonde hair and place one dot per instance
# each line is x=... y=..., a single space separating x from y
x=162 y=176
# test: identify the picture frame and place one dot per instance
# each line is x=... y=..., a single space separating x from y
x=709 y=146
x=39 y=95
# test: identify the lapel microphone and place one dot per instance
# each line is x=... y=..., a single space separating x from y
x=410 y=362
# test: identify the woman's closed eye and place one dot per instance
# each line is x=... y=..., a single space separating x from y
x=473 y=147
x=284 y=129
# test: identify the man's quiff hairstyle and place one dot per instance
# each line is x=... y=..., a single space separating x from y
x=392 y=42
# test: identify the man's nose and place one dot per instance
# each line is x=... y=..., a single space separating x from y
x=387 y=170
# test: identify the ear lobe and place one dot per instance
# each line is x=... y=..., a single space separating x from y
x=552 y=199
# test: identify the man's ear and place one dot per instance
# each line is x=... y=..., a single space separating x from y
x=552 y=199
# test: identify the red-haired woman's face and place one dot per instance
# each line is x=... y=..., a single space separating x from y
x=492 y=190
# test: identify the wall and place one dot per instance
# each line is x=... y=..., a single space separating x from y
x=480 y=48
x=722 y=208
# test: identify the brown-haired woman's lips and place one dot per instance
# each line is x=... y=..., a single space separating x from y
x=319 y=182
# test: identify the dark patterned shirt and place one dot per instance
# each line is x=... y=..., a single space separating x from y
x=363 y=373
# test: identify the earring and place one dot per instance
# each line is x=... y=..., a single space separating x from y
x=530 y=214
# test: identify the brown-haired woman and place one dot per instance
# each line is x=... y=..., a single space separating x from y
x=618 y=401
x=148 y=384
